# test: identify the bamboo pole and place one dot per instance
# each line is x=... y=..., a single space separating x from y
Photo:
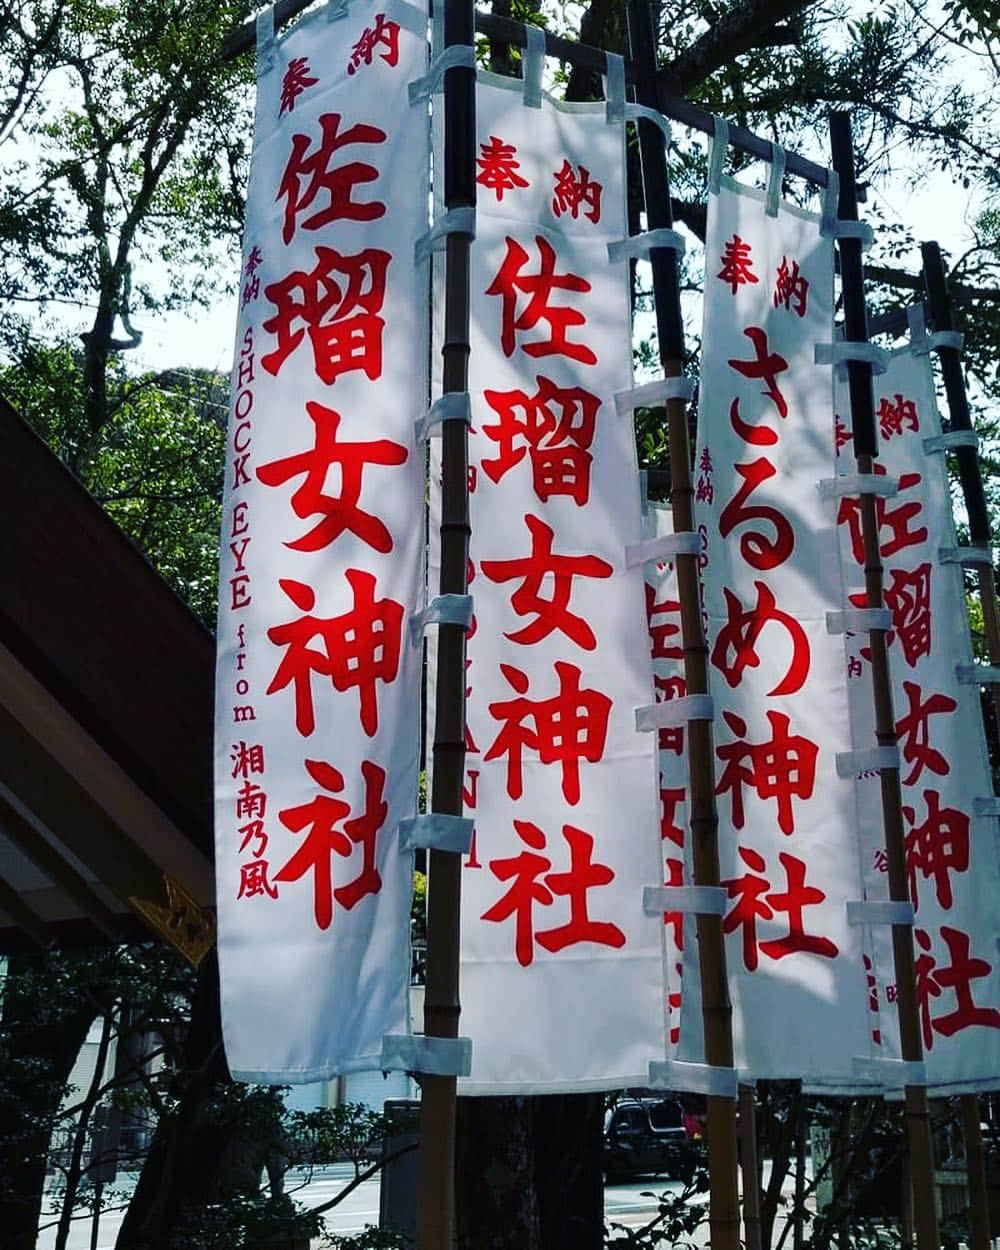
x=436 y=1185
x=750 y=1167
x=724 y=1210
x=916 y=1113
x=971 y=479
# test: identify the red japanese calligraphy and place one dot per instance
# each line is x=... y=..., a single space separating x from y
x=384 y=35
x=498 y=167
x=895 y=520
x=757 y=549
x=674 y=920
x=755 y=435
x=321 y=817
x=766 y=365
x=533 y=884
x=574 y=189
x=336 y=184
x=510 y=282
x=251 y=288
x=705 y=491
x=555 y=572
x=896 y=415
x=338 y=513
x=554 y=428
x=659 y=635
x=359 y=648
x=790 y=288
x=841 y=435
x=253 y=880
x=295 y=81
x=737 y=268
x=936 y=847
x=738 y=639
x=246 y=758
x=755 y=900
x=253 y=831
x=914 y=732
x=671 y=798
x=783 y=768
x=341 y=317
x=251 y=801
x=568 y=727
x=908 y=598
x=933 y=979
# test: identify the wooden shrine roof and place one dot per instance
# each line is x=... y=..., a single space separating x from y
x=105 y=721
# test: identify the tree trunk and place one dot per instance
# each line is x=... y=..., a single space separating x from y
x=35 y=1063
x=529 y=1173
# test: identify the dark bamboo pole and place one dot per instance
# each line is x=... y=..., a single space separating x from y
x=917 y=1116
x=436 y=1191
x=724 y=1209
x=750 y=1167
x=971 y=478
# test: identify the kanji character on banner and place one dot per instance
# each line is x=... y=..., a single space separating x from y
x=533 y=884
x=321 y=816
x=254 y=880
x=935 y=847
x=297 y=78
x=914 y=732
x=510 y=282
x=383 y=35
x=543 y=568
x=895 y=519
x=342 y=318
x=896 y=415
x=755 y=900
x=574 y=189
x=498 y=167
x=554 y=427
x=360 y=648
x=782 y=768
x=339 y=513
x=791 y=290
x=336 y=184
x=908 y=598
x=933 y=980
x=568 y=727
x=737 y=268
x=251 y=288
x=247 y=758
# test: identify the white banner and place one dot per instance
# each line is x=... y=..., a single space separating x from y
x=663 y=620
x=789 y=854
x=562 y=787
x=949 y=816
x=318 y=702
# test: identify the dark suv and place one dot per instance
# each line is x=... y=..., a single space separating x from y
x=642 y=1135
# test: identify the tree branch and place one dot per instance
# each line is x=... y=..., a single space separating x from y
x=745 y=27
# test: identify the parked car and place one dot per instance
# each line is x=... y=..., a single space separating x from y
x=642 y=1136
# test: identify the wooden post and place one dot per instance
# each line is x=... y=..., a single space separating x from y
x=971 y=479
x=436 y=1193
x=750 y=1168
x=917 y=1116
x=724 y=1208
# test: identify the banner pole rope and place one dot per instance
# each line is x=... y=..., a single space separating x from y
x=971 y=478
x=436 y=1184
x=724 y=1212
x=917 y=1116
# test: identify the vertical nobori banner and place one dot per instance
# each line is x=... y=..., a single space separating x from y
x=949 y=811
x=790 y=856
x=561 y=970
x=318 y=699
x=663 y=617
